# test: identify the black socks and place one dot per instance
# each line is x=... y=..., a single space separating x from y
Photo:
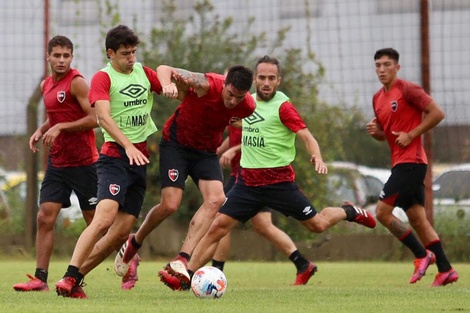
x=135 y=244
x=299 y=261
x=184 y=255
x=41 y=274
x=218 y=264
x=73 y=271
x=350 y=212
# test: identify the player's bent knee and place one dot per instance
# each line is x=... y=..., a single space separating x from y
x=167 y=209
x=218 y=229
x=214 y=203
x=100 y=226
x=45 y=221
x=382 y=216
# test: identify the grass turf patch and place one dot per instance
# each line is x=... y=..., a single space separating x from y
x=252 y=287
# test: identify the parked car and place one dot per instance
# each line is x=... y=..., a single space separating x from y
x=372 y=181
x=347 y=181
x=451 y=191
x=13 y=196
x=4 y=205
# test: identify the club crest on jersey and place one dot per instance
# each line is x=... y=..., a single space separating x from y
x=61 y=96
x=173 y=174
x=233 y=120
x=114 y=189
x=394 y=106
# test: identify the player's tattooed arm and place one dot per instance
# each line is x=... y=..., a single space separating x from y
x=198 y=81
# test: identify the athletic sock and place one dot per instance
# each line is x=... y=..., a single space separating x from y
x=350 y=212
x=191 y=274
x=218 y=264
x=299 y=261
x=73 y=271
x=135 y=243
x=443 y=265
x=185 y=256
x=41 y=274
x=410 y=241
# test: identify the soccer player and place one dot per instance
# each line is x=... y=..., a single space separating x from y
x=398 y=107
x=69 y=136
x=122 y=96
x=266 y=177
x=230 y=151
x=191 y=136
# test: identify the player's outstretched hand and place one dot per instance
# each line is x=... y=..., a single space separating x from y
x=136 y=157
x=320 y=166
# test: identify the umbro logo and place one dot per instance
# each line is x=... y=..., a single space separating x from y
x=307 y=210
x=133 y=91
x=382 y=195
x=93 y=201
x=254 y=118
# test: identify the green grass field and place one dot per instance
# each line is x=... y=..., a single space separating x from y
x=252 y=287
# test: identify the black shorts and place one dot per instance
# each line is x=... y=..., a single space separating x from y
x=244 y=202
x=178 y=162
x=59 y=182
x=405 y=187
x=230 y=182
x=122 y=182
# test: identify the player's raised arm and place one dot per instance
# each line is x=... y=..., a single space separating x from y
x=183 y=80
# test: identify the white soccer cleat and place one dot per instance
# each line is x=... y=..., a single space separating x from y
x=120 y=268
x=124 y=257
x=178 y=269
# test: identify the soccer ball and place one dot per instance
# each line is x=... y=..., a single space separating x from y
x=209 y=282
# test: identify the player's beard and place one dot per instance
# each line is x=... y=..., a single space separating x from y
x=265 y=97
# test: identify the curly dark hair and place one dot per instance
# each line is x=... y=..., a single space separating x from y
x=121 y=35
